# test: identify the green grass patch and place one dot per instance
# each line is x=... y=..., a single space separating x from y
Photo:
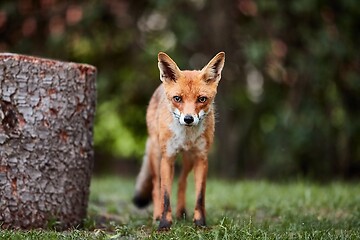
x=235 y=210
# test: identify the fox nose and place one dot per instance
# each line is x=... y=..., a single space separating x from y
x=188 y=119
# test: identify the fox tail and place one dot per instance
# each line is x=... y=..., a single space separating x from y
x=144 y=184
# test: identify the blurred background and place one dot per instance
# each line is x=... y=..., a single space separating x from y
x=289 y=100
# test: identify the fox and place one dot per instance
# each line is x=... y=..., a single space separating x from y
x=180 y=119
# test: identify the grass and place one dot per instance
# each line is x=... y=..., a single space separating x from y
x=235 y=210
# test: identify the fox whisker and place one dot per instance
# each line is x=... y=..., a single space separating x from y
x=177 y=116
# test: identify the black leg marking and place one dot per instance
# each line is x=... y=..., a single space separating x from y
x=164 y=223
x=200 y=206
x=200 y=202
x=166 y=203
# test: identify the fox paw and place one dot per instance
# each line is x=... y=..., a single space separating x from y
x=164 y=225
x=181 y=215
x=200 y=222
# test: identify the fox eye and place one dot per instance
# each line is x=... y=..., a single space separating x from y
x=177 y=99
x=202 y=99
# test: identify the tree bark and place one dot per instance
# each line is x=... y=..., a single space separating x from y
x=223 y=16
x=46 y=150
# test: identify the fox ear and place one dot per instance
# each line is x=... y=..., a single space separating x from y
x=169 y=71
x=212 y=71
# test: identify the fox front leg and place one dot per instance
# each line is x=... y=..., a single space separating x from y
x=166 y=177
x=200 y=173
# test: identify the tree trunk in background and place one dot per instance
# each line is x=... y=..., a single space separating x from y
x=221 y=37
x=46 y=151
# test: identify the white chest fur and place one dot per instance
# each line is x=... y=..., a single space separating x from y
x=185 y=138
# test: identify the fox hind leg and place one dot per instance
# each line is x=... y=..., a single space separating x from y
x=154 y=158
x=181 y=196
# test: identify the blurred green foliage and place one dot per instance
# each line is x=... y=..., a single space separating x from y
x=289 y=99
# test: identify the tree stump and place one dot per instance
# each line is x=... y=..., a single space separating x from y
x=46 y=147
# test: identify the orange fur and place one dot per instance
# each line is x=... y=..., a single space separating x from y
x=180 y=119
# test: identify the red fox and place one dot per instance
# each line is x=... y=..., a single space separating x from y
x=180 y=119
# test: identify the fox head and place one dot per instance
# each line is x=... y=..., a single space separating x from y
x=190 y=94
